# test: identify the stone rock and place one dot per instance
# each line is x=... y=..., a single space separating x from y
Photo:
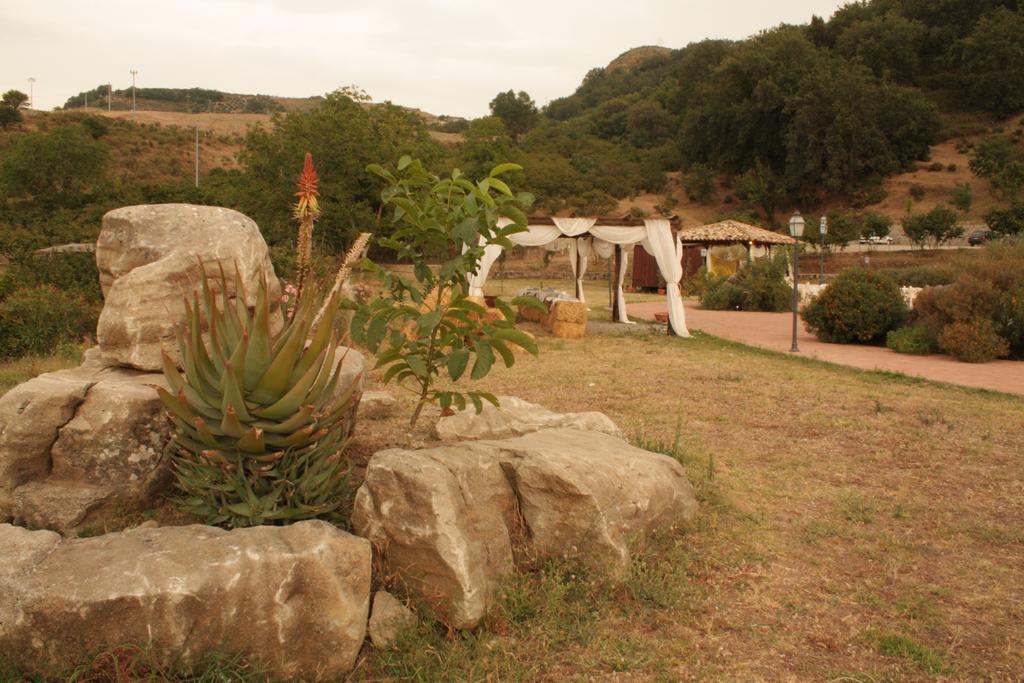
x=451 y=521
x=149 y=259
x=387 y=619
x=377 y=404
x=594 y=495
x=76 y=442
x=516 y=417
x=438 y=518
x=294 y=598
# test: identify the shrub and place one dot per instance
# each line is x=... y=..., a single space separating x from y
x=935 y=167
x=951 y=168
x=722 y=295
x=1006 y=221
x=759 y=286
x=36 y=320
x=859 y=306
x=975 y=341
x=962 y=197
x=917 y=192
x=913 y=340
x=920 y=276
x=71 y=272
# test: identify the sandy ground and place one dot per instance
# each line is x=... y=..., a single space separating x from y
x=773 y=331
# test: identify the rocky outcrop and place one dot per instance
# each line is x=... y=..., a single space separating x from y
x=77 y=442
x=150 y=257
x=516 y=417
x=295 y=598
x=388 y=619
x=377 y=404
x=451 y=521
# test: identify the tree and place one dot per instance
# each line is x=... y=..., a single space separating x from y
x=1006 y=221
x=649 y=124
x=422 y=326
x=1001 y=161
x=14 y=98
x=518 y=111
x=343 y=137
x=762 y=187
x=55 y=166
x=937 y=226
x=699 y=183
x=993 y=62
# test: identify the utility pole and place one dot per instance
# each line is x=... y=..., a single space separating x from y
x=197 y=156
x=31 y=92
x=110 y=94
x=133 y=72
x=86 y=100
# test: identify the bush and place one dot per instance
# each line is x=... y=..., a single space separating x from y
x=975 y=341
x=935 y=167
x=859 y=306
x=722 y=295
x=962 y=197
x=759 y=286
x=920 y=276
x=951 y=168
x=72 y=272
x=913 y=340
x=917 y=192
x=36 y=320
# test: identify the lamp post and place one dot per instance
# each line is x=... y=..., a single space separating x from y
x=31 y=92
x=796 y=231
x=134 y=73
x=823 y=229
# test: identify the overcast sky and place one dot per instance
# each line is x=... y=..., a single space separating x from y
x=443 y=56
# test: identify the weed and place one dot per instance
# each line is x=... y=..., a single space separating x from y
x=856 y=508
x=896 y=645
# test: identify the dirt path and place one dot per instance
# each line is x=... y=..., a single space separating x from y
x=774 y=331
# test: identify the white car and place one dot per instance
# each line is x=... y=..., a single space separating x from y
x=875 y=239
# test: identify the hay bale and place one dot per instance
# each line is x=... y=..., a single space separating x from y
x=568 y=330
x=569 y=312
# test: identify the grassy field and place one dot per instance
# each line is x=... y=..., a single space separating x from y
x=854 y=526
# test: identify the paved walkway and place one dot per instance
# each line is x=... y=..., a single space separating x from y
x=774 y=331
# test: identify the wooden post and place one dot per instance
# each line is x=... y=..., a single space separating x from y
x=576 y=274
x=616 y=282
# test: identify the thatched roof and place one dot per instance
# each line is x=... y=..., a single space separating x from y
x=733 y=231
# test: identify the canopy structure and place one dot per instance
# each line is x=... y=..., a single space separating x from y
x=604 y=237
x=733 y=232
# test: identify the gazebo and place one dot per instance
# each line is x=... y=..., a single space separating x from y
x=607 y=238
x=733 y=232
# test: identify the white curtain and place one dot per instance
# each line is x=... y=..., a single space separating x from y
x=579 y=256
x=477 y=279
x=571 y=227
x=620 y=234
x=620 y=298
x=669 y=254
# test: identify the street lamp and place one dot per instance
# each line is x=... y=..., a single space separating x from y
x=823 y=229
x=796 y=231
x=31 y=92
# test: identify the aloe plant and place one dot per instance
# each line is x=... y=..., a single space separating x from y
x=260 y=429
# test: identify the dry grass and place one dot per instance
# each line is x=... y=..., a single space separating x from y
x=853 y=524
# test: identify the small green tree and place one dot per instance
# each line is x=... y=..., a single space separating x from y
x=877 y=225
x=938 y=226
x=1006 y=221
x=428 y=324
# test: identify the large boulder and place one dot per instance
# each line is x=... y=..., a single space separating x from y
x=77 y=443
x=150 y=257
x=439 y=518
x=451 y=521
x=294 y=598
x=516 y=417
